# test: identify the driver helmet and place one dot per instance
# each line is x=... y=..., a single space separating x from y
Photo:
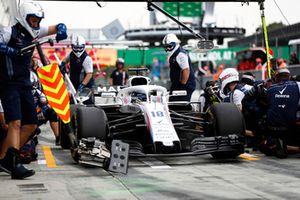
x=229 y=75
x=139 y=95
x=170 y=41
x=30 y=9
x=78 y=45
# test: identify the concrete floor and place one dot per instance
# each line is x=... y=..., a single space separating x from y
x=251 y=176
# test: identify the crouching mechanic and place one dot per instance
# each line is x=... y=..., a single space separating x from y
x=81 y=65
x=181 y=71
x=283 y=99
x=234 y=91
x=15 y=86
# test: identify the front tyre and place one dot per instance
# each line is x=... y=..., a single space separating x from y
x=227 y=120
x=91 y=122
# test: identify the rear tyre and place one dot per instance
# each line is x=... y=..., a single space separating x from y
x=91 y=122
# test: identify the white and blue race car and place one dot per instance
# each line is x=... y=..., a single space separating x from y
x=138 y=120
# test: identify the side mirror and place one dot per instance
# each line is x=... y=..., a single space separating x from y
x=205 y=45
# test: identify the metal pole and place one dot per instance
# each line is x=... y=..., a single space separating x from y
x=207 y=36
x=265 y=38
x=175 y=20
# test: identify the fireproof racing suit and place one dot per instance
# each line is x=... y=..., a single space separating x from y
x=283 y=102
x=79 y=67
x=15 y=86
x=178 y=60
x=236 y=96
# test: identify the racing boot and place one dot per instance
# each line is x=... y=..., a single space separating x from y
x=11 y=164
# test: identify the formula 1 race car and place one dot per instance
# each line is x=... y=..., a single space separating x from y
x=140 y=121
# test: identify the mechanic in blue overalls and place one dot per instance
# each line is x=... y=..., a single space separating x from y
x=181 y=71
x=15 y=86
x=81 y=65
x=283 y=102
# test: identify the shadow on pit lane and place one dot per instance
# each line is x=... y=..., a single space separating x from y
x=185 y=160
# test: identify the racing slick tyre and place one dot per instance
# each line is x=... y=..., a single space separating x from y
x=227 y=120
x=91 y=122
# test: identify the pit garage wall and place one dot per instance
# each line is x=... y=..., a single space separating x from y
x=8 y=10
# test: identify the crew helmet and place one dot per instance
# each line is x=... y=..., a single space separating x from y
x=30 y=9
x=120 y=60
x=229 y=75
x=78 y=45
x=170 y=41
x=248 y=78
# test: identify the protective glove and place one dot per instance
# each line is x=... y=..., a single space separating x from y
x=62 y=68
x=40 y=116
x=45 y=109
x=11 y=52
x=80 y=88
x=61 y=32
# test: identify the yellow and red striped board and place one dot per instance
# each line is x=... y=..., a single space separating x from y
x=55 y=90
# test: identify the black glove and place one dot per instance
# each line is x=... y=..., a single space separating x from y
x=10 y=51
x=61 y=32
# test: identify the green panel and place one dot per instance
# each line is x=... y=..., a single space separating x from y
x=135 y=57
x=225 y=56
x=190 y=9
x=281 y=52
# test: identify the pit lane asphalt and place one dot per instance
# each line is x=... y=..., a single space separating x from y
x=251 y=176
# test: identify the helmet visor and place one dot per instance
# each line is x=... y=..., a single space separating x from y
x=34 y=21
x=78 y=48
x=169 y=47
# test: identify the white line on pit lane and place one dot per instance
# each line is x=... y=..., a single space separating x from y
x=42 y=162
x=154 y=163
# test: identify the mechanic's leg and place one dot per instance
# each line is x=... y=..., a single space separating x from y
x=293 y=149
x=53 y=120
x=54 y=127
x=55 y=130
x=13 y=137
x=10 y=162
x=29 y=115
x=26 y=133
